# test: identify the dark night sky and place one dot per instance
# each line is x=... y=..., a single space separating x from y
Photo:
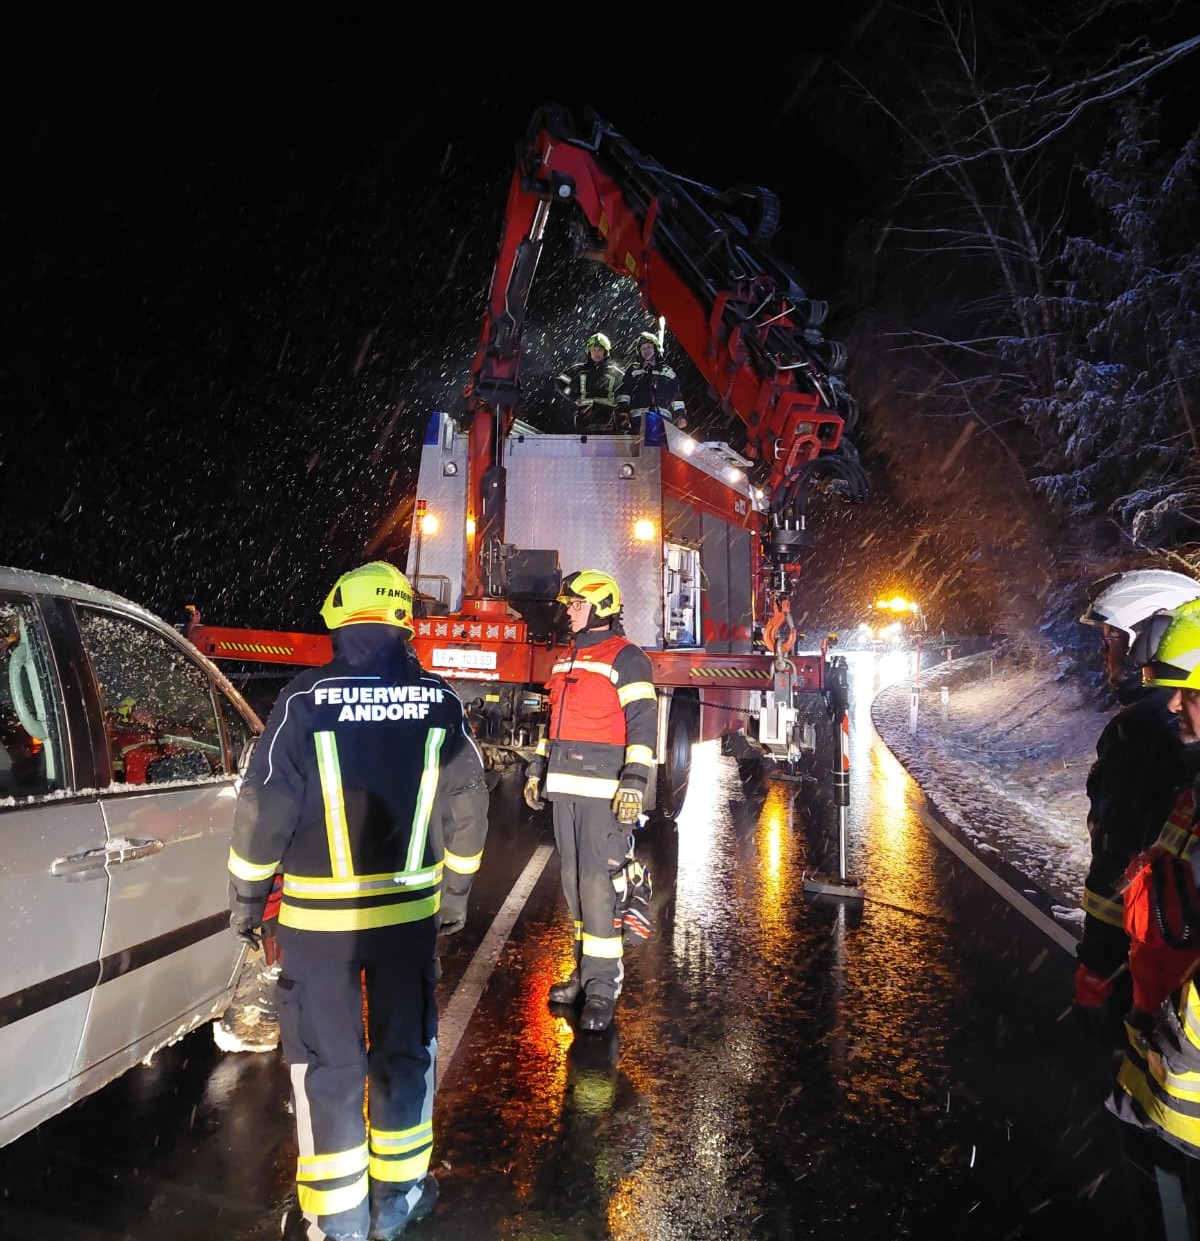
x=233 y=293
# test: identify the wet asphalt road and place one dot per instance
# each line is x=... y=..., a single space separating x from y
x=780 y=1067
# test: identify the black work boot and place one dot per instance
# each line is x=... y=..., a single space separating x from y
x=597 y=1012
x=567 y=991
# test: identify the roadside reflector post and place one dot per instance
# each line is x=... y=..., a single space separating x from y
x=819 y=885
x=914 y=702
x=945 y=705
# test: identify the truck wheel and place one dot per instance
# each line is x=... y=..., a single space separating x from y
x=674 y=772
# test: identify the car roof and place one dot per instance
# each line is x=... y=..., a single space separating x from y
x=33 y=583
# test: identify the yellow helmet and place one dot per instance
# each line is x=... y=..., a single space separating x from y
x=599 y=589
x=1176 y=658
x=377 y=592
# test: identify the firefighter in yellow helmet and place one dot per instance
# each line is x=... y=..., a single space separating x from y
x=1158 y=1080
x=594 y=765
x=349 y=794
x=591 y=386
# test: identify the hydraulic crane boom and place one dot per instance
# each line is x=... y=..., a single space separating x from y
x=701 y=262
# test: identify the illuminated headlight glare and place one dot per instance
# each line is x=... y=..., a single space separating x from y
x=429 y=524
x=643 y=530
x=470 y=525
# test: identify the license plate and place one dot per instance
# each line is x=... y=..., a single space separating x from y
x=457 y=658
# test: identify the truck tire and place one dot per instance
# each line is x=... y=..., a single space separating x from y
x=674 y=772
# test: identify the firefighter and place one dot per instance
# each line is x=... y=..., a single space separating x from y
x=347 y=794
x=595 y=767
x=649 y=383
x=1158 y=1079
x=591 y=386
x=1141 y=764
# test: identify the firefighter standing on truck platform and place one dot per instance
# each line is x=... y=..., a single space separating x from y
x=348 y=794
x=595 y=767
x=649 y=383
x=591 y=386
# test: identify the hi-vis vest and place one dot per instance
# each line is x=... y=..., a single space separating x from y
x=603 y=721
x=1158 y=1083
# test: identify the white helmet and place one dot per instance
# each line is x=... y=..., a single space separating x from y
x=1124 y=600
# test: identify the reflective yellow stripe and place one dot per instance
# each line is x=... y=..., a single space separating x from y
x=402 y=1154
x=639 y=754
x=578 y=931
x=1104 y=909
x=429 y=783
x=336 y=830
x=239 y=868
x=581 y=786
x=411 y=1169
x=1179 y=840
x=635 y=691
x=543 y=747
x=358 y=919
x=463 y=865
x=610 y=946
x=332 y=1166
x=331 y=1201
x=324 y=887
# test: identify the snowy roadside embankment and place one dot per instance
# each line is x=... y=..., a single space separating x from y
x=1003 y=761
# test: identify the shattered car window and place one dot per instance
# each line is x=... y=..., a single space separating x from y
x=159 y=714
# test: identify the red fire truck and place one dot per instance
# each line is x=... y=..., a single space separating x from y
x=705 y=541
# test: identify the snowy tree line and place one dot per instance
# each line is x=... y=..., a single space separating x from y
x=1028 y=282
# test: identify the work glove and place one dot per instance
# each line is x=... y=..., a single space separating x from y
x=533 y=792
x=1092 y=1004
x=452 y=916
x=627 y=806
x=246 y=929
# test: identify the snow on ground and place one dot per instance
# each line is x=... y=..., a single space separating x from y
x=1003 y=763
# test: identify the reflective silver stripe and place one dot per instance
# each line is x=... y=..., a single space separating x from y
x=639 y=754
x=581 y=786
x=429 y=783
x=610 y=947
x=586 y=665
x=336 y=831
x=320 y=887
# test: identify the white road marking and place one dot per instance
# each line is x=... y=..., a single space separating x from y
x=452 y=1024
x=1063 y=938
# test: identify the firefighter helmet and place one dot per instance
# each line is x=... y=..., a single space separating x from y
x=1123 y=600
x=600 y=339
x=597 y=588
x=125 y=709
x=1176 y=659
x=652 y=337
x=376 y=592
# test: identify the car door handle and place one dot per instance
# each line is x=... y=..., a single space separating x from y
x=127 y=850
x=97 y=859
